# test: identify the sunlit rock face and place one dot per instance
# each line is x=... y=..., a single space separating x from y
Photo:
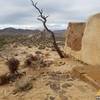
x=91 y=41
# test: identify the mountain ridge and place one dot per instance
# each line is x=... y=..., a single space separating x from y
x=14 y=31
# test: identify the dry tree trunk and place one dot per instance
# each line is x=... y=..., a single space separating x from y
x=43 y=19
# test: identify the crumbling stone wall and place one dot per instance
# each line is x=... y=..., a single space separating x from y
x=83 y=40
x=73 y=43
x=74 y=35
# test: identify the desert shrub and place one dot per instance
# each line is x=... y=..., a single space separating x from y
x=36 y=61
x=41 y=47
x=29 y=60
x=48 y=63
x=34 y=58
x=38 y=52
x=7 y=78
x=24 y=84
x=29 y=46
x=13 y=65
x=2 y=42
x=4 y=79
x=55 y=86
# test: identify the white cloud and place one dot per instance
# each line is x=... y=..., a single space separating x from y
x=20 y=13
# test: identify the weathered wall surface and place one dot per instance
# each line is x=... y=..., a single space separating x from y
x=83 y=41
x=91 y=41
x=74 y=36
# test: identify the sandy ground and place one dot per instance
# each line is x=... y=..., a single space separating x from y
x=51 y=83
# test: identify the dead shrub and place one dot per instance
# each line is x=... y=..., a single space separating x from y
x=7 y=78
x=34 y=58
x=38 y=52
x=13 y=65
x=24 y=84
x=41 y=47
x=29 y=60
x=4 y=79
x=48 y=63
x=29 y=46
x=36 y=61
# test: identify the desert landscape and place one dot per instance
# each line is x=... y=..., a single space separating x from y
x=58 y=59
x=44 y=76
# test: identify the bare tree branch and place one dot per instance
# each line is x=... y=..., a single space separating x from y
x=43 y=19
x=40 y=19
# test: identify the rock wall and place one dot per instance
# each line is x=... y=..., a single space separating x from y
x=74 y=36
x=91 y=41
x=83 y=41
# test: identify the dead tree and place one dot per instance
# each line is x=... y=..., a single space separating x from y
x=43 y=19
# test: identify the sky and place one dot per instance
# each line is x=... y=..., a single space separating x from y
x=21 y=13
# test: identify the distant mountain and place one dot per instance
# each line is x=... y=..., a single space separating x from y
x=59 y=33
x=13 y=31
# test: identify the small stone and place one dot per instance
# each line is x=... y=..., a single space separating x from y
x=52 y=98
x=38 y=52
x=66 y=85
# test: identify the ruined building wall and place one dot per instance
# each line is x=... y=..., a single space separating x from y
x=73 y=43
x=91 y=41
x=83 y=41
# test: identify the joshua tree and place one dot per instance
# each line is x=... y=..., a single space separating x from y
x=43 y=19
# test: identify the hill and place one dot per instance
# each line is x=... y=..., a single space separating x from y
x=13 y=31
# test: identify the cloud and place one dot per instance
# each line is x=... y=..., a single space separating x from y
x=21 y=13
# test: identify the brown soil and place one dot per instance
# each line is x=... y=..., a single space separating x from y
x=89 y=74
x=50 y=83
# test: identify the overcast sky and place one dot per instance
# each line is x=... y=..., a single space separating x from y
x=21 y=14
